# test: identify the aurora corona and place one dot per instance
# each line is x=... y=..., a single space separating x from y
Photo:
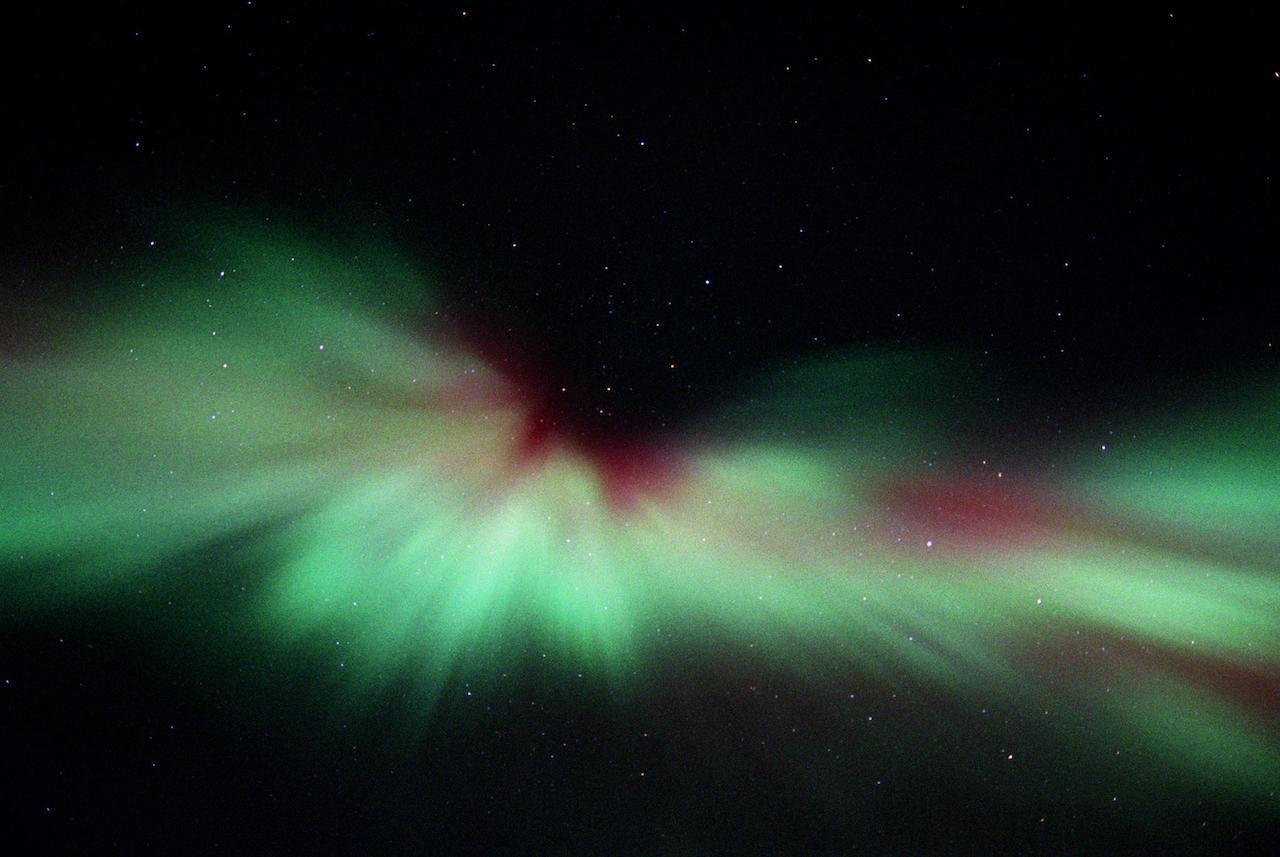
x=379 y=485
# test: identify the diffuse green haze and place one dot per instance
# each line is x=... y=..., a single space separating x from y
x=290 y=399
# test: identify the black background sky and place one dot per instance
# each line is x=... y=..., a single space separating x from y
x=1072 y=198
x=1080 y=203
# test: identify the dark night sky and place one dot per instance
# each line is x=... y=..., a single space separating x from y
x=1079 y=204
x=1073 y=198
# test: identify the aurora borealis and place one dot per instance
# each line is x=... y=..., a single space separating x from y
x=612 y=429
x=299 y=409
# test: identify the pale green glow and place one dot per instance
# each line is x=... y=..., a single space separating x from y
x=264 y=404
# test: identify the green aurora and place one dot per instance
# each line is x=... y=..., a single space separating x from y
x=278 y=405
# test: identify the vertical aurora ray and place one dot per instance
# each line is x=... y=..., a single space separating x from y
x=280 y=403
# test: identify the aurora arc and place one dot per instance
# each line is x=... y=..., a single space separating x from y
x=281 y=402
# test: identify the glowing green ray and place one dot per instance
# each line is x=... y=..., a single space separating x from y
x=1213 y=468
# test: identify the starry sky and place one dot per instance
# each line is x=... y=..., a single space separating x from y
x=625 y=429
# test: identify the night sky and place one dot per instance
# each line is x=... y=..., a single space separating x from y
x=962 y=312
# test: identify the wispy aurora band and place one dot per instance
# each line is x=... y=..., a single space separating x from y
x=279 y=400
